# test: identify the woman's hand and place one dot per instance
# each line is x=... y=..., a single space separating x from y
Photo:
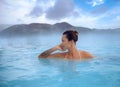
x=60 y=47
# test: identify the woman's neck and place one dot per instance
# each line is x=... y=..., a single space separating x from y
x=72 y=50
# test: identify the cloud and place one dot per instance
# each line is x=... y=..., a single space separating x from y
x=53 y=11
x=113 y=16
x=36 y=11
x=40 y=7
x=82 y=21
x=96 y=2
x=99 y=10
x=2 y=2
x=11 y=10
x=101 y=18
x=61 y=9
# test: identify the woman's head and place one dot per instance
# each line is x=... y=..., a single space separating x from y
x=69 y=37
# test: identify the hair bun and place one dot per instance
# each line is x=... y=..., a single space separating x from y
x=71 y=35
x=75 y=32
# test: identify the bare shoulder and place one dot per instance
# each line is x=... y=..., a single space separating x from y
x=57 y=55
x=86 y=54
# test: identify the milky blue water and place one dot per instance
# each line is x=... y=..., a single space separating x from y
x=20 y=67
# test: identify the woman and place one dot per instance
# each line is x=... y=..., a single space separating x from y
x=69 y=40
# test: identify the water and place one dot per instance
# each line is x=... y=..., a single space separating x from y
x=20 y=67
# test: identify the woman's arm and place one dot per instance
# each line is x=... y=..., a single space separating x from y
x=48 y=52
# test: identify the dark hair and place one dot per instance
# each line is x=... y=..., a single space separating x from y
x=71 y=35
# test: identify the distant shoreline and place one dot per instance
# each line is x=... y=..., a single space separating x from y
x=44 y=28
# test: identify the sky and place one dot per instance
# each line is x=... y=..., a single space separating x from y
x=100 y=14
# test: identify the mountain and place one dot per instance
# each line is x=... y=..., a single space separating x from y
x=35 y=29
x=43 y=29
x=25 y=29
x=4 y=26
